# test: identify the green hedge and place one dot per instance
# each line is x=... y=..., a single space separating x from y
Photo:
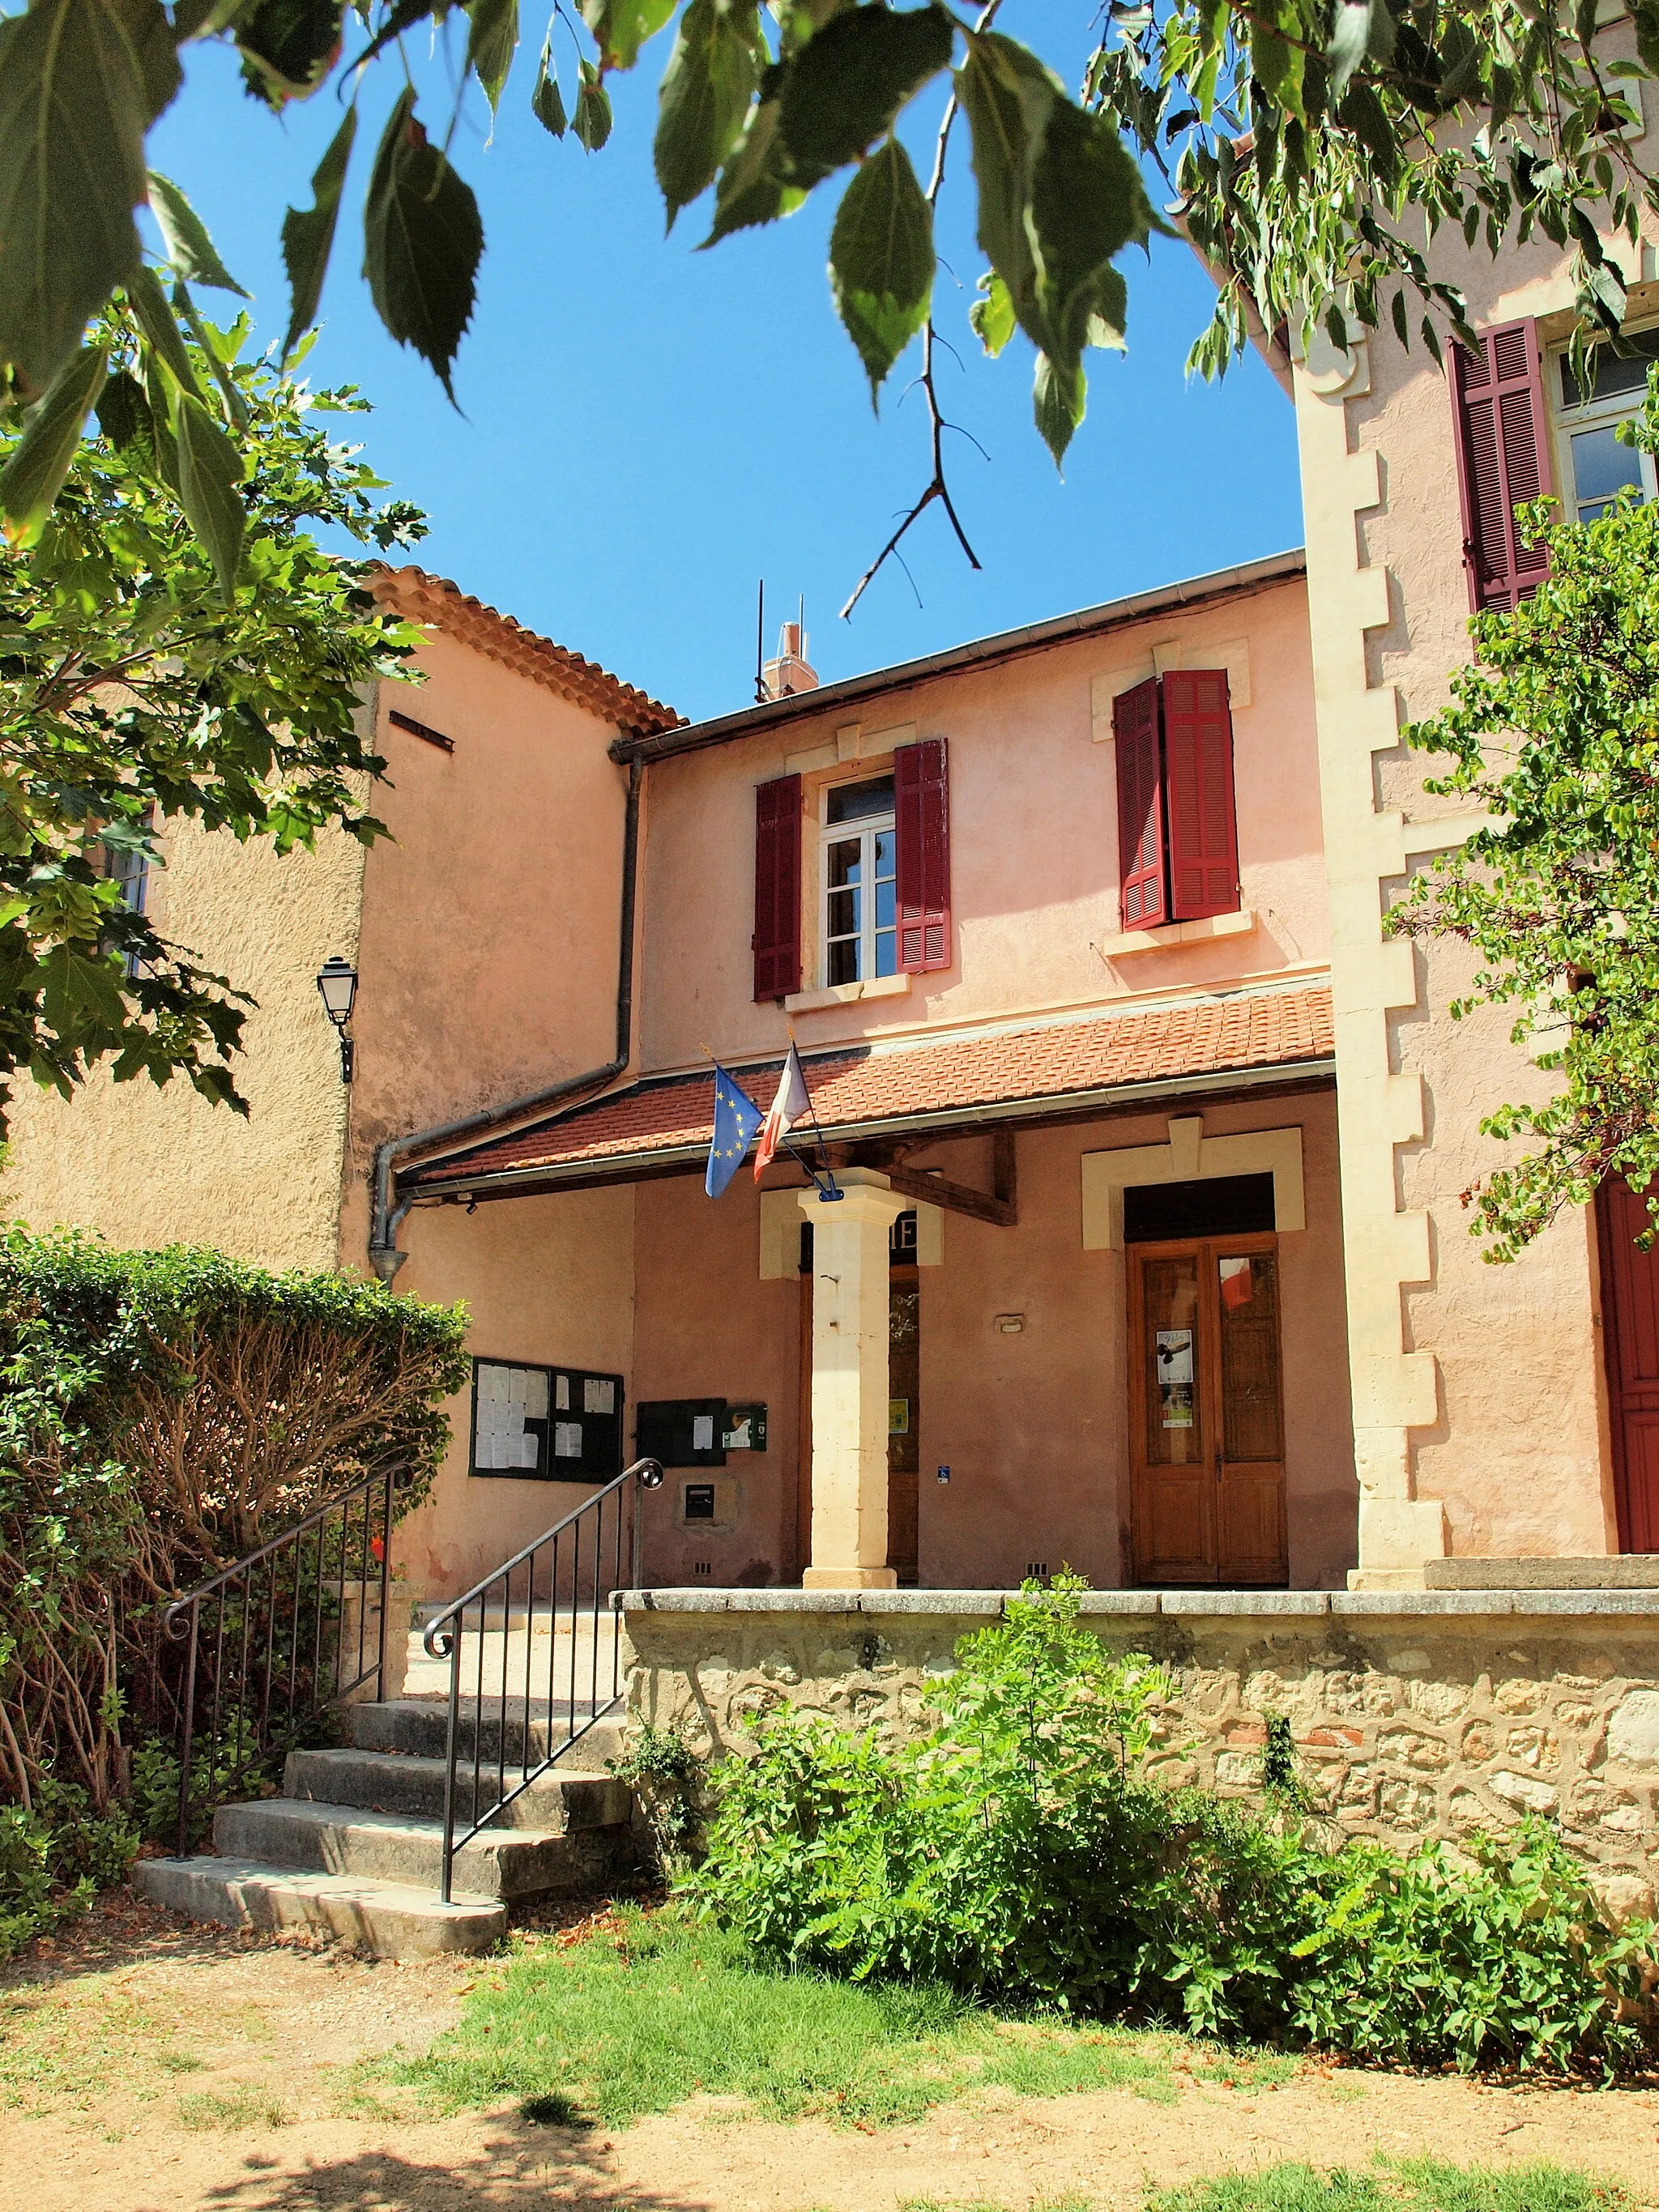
x=162 y=1413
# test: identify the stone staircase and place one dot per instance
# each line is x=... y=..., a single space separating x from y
x=354 y=1846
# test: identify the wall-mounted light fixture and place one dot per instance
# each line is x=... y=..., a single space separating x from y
x=337 y=980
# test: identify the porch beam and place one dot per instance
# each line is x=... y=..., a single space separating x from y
x=1000 y=1206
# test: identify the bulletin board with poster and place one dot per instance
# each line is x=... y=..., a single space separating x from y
x=545 y=1424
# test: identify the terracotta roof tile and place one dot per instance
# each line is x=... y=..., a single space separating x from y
x=856 y=1086
x=445 y=606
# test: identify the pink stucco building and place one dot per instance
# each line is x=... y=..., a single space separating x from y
x=1148 y=1256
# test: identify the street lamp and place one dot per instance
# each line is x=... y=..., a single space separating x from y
x=336 y=981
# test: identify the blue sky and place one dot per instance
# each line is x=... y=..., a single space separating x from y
x=646 y=429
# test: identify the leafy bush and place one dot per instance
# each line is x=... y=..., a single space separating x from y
x=160 y=1414
x=1018 y=1853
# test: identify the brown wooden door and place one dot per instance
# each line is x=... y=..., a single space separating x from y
x=1207 y=1421
x=1629 y=1333
x=904 y=1439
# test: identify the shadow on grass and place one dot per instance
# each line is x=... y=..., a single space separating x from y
x=528 y=2170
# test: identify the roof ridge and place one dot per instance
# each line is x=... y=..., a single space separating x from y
x=441 y=602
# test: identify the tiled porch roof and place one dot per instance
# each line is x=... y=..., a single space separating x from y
x=861 y=1089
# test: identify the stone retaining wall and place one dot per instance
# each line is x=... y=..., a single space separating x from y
x=1415 y=1714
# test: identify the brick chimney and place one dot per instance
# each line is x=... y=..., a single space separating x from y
x=789 y=670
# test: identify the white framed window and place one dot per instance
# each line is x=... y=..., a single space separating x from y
x=1591 y=463
x=858 y=854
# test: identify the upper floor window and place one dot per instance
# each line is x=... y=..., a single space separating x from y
x=130 y=872
x=1177 y=820
x=857 y=875
x=1595 y=464
x=883 y=854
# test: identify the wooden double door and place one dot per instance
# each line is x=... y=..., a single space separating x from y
x=1207 y=1418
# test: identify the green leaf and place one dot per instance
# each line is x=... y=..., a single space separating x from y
x=1644 y=15
x=288 y=46
x=759 y=183
x=592 y=121
x=1057 y=401
x=124 y=413
x=422 y=240
x=38 y=462
x=707 y=88
x=210 y=470
x=992 y=314
x=1006 y=94
x=308 y=232
x=236 y=407
x=1277 y=66
x=160 y=325
x=1087 y=203
x=881 y=259
x=190 y=249
x=492 y=39
x=1059 y=195
x=621 y=27
x=546 y=104
x=845 y=88
x=81 y=82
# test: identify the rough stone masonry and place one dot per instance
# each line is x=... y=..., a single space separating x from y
x=1415 y=1714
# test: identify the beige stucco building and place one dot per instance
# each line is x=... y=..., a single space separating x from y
x=1147 y=1255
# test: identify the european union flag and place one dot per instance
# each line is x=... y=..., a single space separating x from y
x=737 y=1117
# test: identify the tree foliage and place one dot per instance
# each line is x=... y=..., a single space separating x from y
x=1315 y=148
x=173 y=643
x=161 y=1414
x=1555 y=729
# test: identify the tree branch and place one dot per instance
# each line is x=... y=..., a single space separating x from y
x=936 y=488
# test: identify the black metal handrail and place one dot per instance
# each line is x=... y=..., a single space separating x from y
x=539 y=1574
x=278 y=1652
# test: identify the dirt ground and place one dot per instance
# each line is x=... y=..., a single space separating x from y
x=145 y=2066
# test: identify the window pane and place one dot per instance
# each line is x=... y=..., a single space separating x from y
x=885 y=903
x=886 y=852
x=844 y=961
x=844 y=862
x=857 y=802
x=1173 y=1414
x=1250 y=1423
x=886 y=955
x=844 y=913
x=1610 y=373
x=1602 y=466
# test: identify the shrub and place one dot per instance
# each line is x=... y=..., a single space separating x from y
x=1018 y=1852
x=160 y=1414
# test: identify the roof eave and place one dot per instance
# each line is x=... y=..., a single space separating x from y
x=623 y=1167
x=1186 y=595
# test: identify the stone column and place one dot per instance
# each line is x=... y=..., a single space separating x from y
x=849 y=1381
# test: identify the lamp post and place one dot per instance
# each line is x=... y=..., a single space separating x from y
x=336 y=981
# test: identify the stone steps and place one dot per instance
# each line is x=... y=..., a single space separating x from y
x=355 y=1846
x=417 y=1727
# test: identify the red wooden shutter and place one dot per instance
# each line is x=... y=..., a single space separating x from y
x=777 y=888
x=1141 y=806
x=1198 y=772
x=1503 y=460
x=921 y=806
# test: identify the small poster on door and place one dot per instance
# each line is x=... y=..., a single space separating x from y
x=1174 y=1377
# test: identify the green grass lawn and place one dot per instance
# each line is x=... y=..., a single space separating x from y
x=1413 y=2185
x=636 y=2019
x=1410 y=2185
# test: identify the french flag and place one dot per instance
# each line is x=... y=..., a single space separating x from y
x=790 y=1106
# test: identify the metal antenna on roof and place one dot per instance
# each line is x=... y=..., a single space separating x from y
x=760 y=646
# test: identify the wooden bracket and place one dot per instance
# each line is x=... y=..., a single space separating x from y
x=999 y=1206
